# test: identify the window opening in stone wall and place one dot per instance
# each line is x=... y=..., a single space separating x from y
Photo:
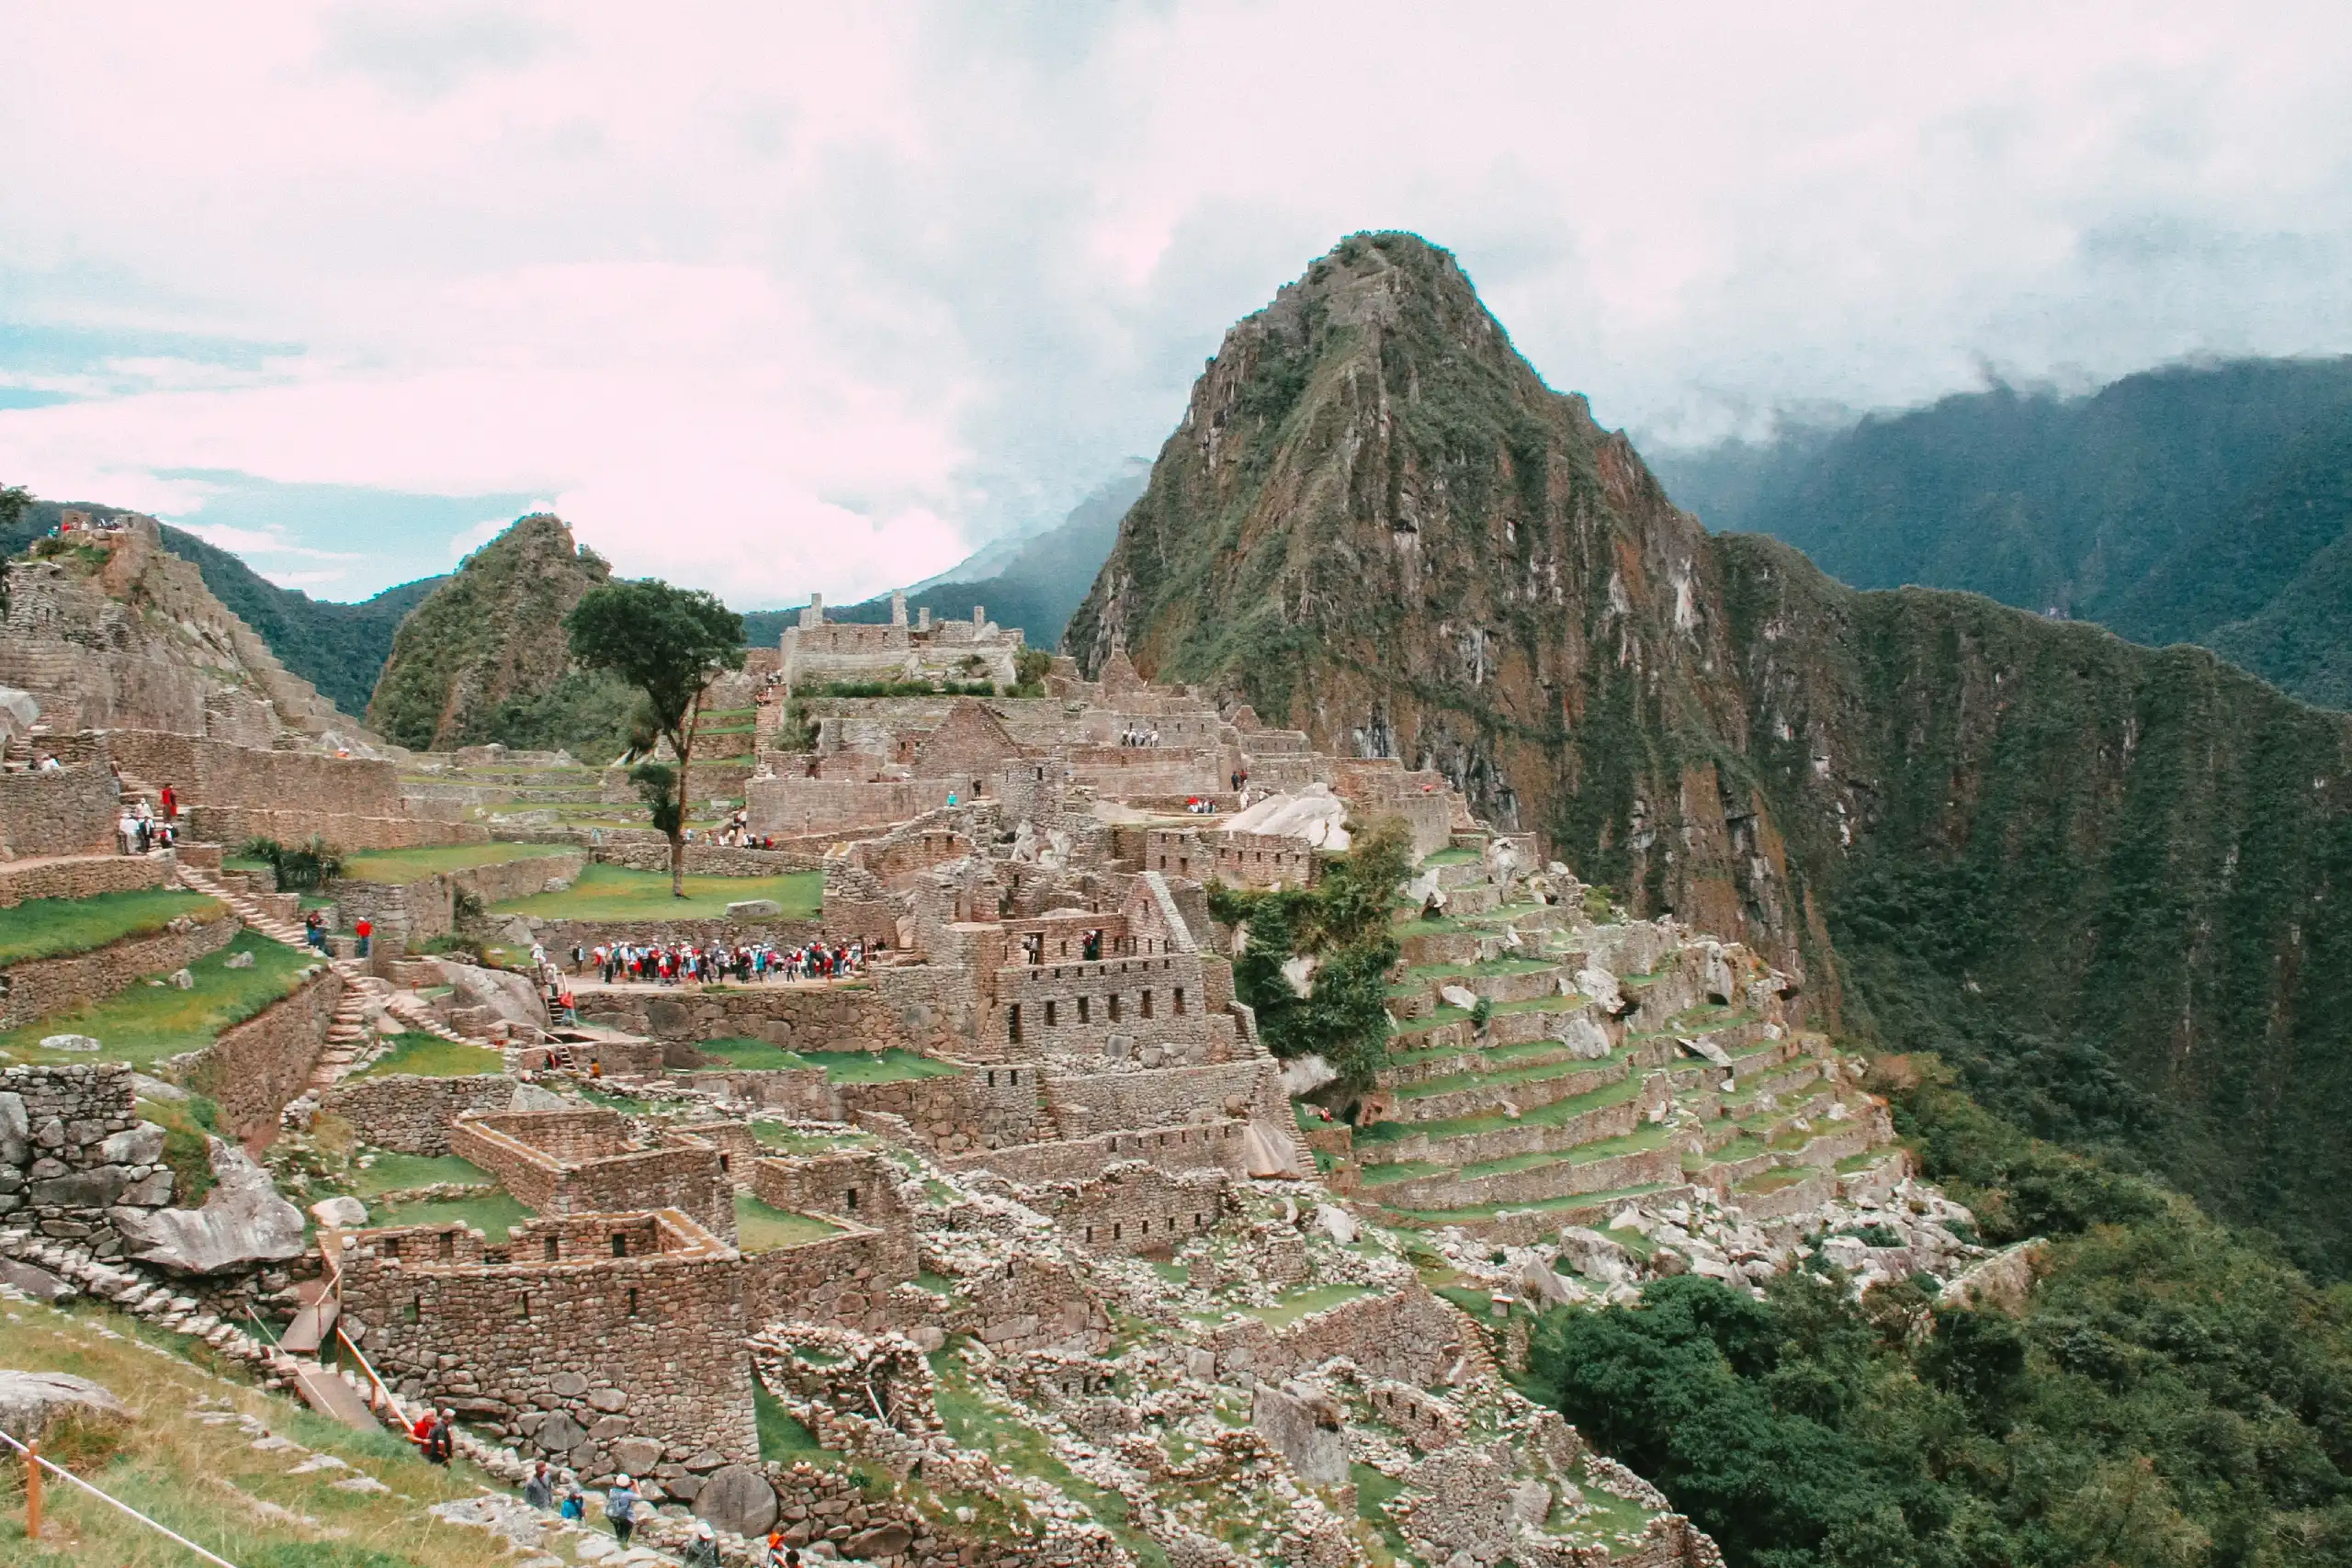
x=1081 y=1009
x=526 y=1306
x=1016 y=1021
x=449 y=1244
x=849 y=1200
x=1114 y=1007
x=1013 y=1077
x=620 y=1246
x=1050 y=1010
x=1146 y=1002
x=632 y=1301
x=1115 y=1232
x=1180 y=1001
x=415 y=1310
x=722 y=1162
x=1199 y=1223
x=554 y=1249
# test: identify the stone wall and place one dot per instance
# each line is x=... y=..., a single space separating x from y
x=1191 y=1146
x=858 y=1185
x=412 y=1115
x=1158 y=1003
x=206 y=770
x=235 y=824
x=794 y=1015
x=548 y=1335
x=1659 y=1167
x=1167 y=1096
x=1240 y=859
x=1135 y=1207
x=1029 y=1302
x=580 y=1162
x=642 y=849
x=71 y=1150
x=42 y=987
x=82 y=877
x=70 y=811
x=255 y=1067
x=1406 y=1336
x=980 y=1106
x=843 y=1280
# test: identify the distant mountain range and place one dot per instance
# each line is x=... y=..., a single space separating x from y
x=1032 y=583
x=2206 y=504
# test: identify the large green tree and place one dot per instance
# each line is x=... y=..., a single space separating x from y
x=670 y=644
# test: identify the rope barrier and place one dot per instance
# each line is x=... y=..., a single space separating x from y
x=68 y=1475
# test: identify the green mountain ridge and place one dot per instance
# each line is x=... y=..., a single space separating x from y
x=2194 y=503
x=2103 y=880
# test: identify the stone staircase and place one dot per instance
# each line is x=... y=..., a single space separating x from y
x=349 y=1039
x=246 y=906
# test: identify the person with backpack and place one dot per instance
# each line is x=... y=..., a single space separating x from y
x=620 y=1508
x=575 y=1503
x=539 y=1491
x=703 y=1550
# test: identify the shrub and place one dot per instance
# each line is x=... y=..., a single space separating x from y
x=305 y=868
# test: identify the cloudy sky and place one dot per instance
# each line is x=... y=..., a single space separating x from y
x=779 y=297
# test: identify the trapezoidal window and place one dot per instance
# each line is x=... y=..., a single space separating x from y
x=1014 y=1023
x=1082 y=1009
x=1114 y=1007
x=1049 y=1015
x=1147 y=1003
x=620 y=1249
x=1180 y=1001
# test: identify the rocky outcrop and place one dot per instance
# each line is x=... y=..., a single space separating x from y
x=2099 y=876
x=31 y=1402
x=244 y=1222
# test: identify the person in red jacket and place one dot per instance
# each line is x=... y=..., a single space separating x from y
x=363 y=931
x=171 y=804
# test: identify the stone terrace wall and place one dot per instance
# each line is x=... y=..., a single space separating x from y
x=78 y=878
x=642 y=849
x=1161 y=1097
x=1135 y=1207
x=43 y=987
x=216 y=773
x=1030 y=1303
x=856 y=1184
x=1406 y=1336
x=506 y=1341
x=1190 y=1147
x=558 y=1162
x=71 y=1150
x=794 y=1015
x=254 y=1069
x=842 y=1279
x=978 y=1108
x=69 y=812
x=235 y=824
x=411 y=1115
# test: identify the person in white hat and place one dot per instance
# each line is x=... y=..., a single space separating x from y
x=703 y=1552
x=620 y=1508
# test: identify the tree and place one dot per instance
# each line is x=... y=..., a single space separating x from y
x=669 y=643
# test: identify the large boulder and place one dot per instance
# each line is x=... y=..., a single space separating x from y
x=736 y=1497
x=244 y=1222
x=1307 y=1425
x=511 y=996
x=16 y=1131
x=31 y=1402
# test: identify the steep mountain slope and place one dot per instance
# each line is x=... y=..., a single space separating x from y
x=485 y=657
x=2103 y=879
x=337 y=647
x=2167 y=506
x=1032 y=583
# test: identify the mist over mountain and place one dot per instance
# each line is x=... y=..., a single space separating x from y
x=2196 y=503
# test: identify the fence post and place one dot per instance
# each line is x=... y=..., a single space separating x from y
x=32 y=1492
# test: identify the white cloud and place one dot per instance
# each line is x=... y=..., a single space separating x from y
x=778 y=298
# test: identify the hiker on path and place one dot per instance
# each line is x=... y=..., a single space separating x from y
x=440 y=1441
x=575 y=1503
x=703 y=1550
x=539 y=1491
x=620 y=1508
x=314 y=930
x=363 y=931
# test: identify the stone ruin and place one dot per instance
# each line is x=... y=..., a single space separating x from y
x=1022 y=1218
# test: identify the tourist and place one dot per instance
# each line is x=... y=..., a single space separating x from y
x=49 y=764
x=773 y=1550
x=539 y=1491
x=126 y=828
x=575 y=1501
x=314 y=930
x=620 y=1508
x=703 y=1550
x=363 y=931
x=171 y=804
x=441 y=1439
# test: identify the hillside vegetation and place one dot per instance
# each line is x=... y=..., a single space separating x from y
x=485 y=657
x=2209 y=504
x=2103 y=880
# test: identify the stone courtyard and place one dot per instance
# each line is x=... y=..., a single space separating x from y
x=1016 y=1243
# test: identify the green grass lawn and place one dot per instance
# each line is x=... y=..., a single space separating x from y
x=429 y=1057
x=399 y=1173
x=1450 y=856
x=792 y=1141
x=493 y=1214
x=1292 y=1305
x=416 y=865
x=759 y=1227
x=49 y=927
x=616 y=892
x=142 y=1023
x=896 y=1065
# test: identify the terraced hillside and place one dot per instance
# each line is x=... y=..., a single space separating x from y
x=1555 y=1058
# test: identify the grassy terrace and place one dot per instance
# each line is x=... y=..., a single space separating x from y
x=429 y=1057
x=1639 y=1141
x=791 y=1141
x=51 y=928
x=761 y=1228
x=896 y=1065
x=1552 y=1115
x=1541 y=1205
x=617 y=893
x=1451 y=856
x=399 y=1173
x=414 y=865
x=147 y=1022
x=492 y=1214
x=1540 y=1072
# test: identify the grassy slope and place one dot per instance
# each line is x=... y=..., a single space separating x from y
x=49 y=928
x=429 y=1057
x=414 y=865
x=143 y=1024
x=210 y=1483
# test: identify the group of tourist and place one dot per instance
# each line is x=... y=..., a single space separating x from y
x=685 y=964
x=737 y=834
x=625 y=1506
x=139 y=829
x=1135 y=735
